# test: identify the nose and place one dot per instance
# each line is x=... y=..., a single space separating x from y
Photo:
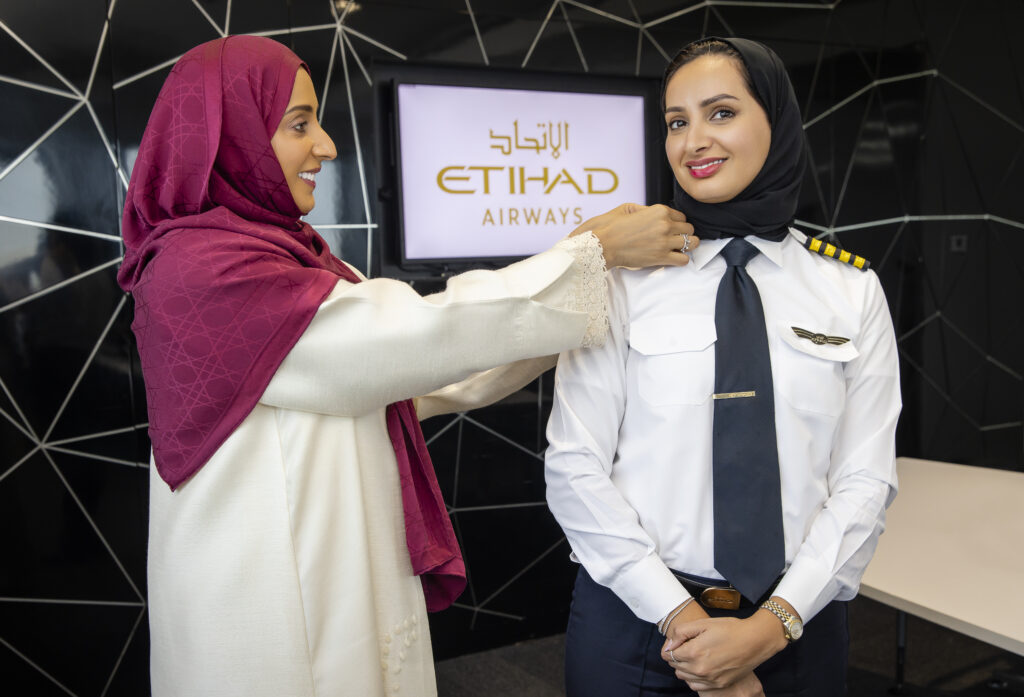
x=324 y=148
x=697 y=137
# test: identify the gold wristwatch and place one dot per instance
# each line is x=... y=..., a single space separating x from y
x=792 y=626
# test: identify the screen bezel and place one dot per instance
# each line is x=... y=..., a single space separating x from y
x=388 y=77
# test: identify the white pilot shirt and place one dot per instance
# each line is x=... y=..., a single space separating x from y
x=628 y=468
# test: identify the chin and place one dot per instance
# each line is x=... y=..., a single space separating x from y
x=714 y=199
x=704 y=196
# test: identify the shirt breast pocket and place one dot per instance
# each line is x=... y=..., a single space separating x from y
x=809 y=373
x=674 y=357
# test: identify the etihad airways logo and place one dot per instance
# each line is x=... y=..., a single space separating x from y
x=477 y=179
x=556 y=137
x=552 y=139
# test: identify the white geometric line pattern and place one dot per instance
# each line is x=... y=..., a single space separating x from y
x=92 y=523
x=575 y=41
x=962 y=217
x=83 y=100
x=209 y=18
x=352 y=49
x=475 y=609
x=42 y=60
x=227 y=18
x=62 y=601
x=18 y=464
x=347 y=226
x=510 y=441
x=713 y=4
x=58 y=286
x=32 y=148
x=60 y=228
x=476 y=30
x=359 y=149
x=14 y=422
x=643 y=27
x=92 y=456
x=102 y=434
x=27 y=427
x=327 y=80
x=45 y=448
x=516 y=577
x=544 y=24
x=496 y=507
x=876 y=83
x=99 y=49
x=124 y=649
x=931 y=223
x=32 y=663
x=37 y=87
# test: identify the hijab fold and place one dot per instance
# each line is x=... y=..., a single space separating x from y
x=226 y=278
x=767 y=206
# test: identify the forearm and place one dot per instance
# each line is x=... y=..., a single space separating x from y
x=483 y=388
x=377 y=342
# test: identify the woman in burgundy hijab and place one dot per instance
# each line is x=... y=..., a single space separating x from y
x=298 y=504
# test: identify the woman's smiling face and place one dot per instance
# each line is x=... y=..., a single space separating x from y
x=718 y=135
x=300 y=144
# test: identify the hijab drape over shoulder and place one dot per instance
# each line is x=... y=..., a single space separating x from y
x=226 y=277
x=767 y=206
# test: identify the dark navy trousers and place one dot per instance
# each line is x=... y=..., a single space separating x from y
x=609 y=652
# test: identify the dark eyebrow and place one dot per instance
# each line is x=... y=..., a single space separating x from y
x=704 y=103
x=300 y=107
x=716 y=98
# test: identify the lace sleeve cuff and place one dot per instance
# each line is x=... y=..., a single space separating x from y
x=590 y=292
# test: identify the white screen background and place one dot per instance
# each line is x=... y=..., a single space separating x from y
x=443 y=126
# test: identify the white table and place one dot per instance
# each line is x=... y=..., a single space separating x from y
x=953 y=552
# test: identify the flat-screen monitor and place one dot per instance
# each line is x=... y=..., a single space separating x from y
x=482 y=167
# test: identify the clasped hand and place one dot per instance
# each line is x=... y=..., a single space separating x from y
x=717 y=656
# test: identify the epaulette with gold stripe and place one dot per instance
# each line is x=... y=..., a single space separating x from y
x=833 y=252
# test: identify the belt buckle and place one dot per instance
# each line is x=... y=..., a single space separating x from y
x=720 y=598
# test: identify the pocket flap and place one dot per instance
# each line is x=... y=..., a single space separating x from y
x=829 y=347
x=652 y=336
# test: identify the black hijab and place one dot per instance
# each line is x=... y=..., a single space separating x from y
x=767 y=206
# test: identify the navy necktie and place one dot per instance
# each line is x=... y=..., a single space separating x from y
x=750 y=550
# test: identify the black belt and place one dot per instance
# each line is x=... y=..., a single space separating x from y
x=721 y=596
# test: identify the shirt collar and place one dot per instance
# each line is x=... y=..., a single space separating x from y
x=709 y=249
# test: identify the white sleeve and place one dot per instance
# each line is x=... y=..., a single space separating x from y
x=483 y=388
x=378 y=342
x=862 y=474
x=603 y=530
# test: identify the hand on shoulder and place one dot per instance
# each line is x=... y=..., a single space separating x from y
x=639 y=236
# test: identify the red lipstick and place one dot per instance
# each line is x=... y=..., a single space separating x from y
x=701 y=169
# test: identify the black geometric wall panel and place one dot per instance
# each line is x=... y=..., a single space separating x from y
x=914 y=112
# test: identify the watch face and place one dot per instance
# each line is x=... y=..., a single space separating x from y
x=796 y=629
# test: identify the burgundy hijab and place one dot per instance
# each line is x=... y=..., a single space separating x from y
x=226 y=278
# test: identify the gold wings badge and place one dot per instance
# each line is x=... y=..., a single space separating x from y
x=819 y=339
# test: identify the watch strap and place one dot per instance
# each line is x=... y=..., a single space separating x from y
x=784 y=615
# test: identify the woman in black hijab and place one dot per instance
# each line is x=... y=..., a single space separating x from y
x=766 y=206
x=721 y=467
